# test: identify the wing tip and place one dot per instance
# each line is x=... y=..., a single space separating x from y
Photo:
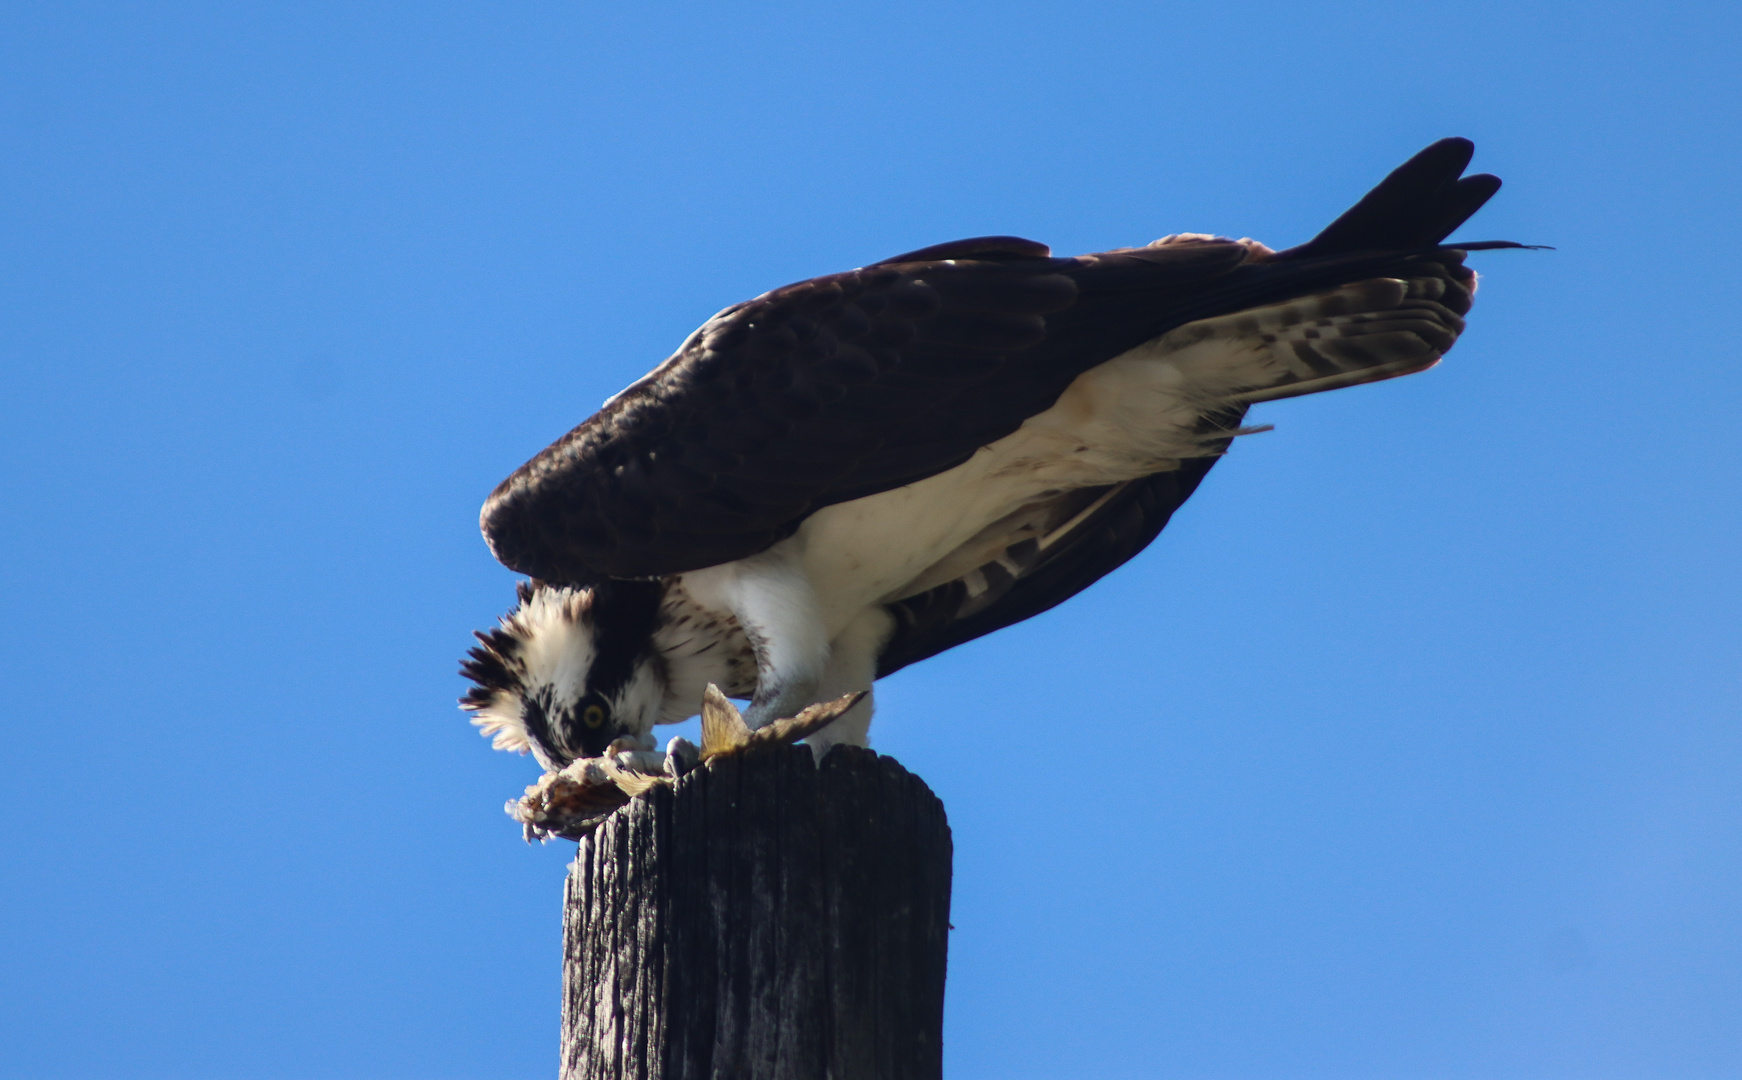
x=1418 y=204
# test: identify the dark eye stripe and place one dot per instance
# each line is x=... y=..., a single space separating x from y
x=623 y=616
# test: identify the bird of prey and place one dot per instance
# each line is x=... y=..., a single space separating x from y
x=854 y=473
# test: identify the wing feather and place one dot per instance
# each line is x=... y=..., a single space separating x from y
x=1122 y=525
x=848 y=385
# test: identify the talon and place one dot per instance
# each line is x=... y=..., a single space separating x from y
x=642 y=761
x=681 y=756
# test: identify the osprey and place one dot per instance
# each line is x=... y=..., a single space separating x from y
x=854 y=473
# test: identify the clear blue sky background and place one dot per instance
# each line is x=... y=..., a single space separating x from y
x=1412 y=748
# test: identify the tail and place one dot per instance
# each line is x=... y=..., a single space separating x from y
x=1399 y=307
x=1416 y=207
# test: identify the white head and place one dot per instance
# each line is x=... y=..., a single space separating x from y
x=569 y=671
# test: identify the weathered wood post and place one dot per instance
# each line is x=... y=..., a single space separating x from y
x=766 y=919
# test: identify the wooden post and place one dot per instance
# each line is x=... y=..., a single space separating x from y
x=765 y=918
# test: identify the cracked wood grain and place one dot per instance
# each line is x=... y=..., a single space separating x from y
x=766 y=918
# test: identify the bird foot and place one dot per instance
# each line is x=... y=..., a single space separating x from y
x=571 y=802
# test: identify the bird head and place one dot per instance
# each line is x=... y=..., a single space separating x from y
x=569 y=671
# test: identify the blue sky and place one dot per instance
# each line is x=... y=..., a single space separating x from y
x=1412 y=748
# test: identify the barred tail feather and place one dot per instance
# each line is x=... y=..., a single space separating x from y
x=1360 y=333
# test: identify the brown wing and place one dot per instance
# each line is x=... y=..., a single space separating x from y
x=855 y=383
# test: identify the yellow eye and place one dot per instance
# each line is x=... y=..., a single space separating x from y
x=593 y=715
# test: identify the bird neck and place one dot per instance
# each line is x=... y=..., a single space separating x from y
x=624 y=616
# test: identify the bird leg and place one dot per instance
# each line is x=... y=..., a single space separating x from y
x=852 y=667
x=773 y=600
